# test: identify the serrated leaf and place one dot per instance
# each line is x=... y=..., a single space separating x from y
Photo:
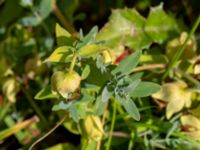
x=63 y=37
x=125 y=27
x=117 y=27
x=159 y=25
x=131 y=108
x=138 y=39
x=85 y=73
x=145 y=89
x=45 y=94
x=61 y=54
x=91 y=50
x=128 y=64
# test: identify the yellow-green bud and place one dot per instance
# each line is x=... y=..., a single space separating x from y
x=91 y=127
x=65 y=83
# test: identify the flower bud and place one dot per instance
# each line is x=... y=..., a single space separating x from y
x=65 y=83
x=10 y=89
x=91 y=127
x=173 y=46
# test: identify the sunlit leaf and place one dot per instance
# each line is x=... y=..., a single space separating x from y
x=128 y=64
x=62 y=146
x=8 y=132
x=91 y=50
x=45 y=93
x=61 y=54
x=85 y=73
x=63 y=37
x=159 y=25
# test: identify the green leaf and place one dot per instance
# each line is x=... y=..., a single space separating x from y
x=62 y=146
x=61 y=54
x=85 y=73
x=45 y=7
x=74 y=113
x=61 y=106
x=90 y=38
x=160 y=26
x=63 y=37
x=131 y=108
x=45 y=94
x=91 y=50
x=138 y=39
x=6 y=13
x=17 y=127
x=99 y=106
x=153 y=58
x=106 y=94
x=145 y=89
x=41 y=12
x=132 y=86
x=128 y=64
x=125 y=27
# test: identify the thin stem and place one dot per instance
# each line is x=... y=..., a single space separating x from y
x=131 y=141
x=112 y=125
x=181 y=48
x=34 y=106
x=48 y=133
x=98 y=146
x=147 y=67
x=73 y=62
x=63 y=20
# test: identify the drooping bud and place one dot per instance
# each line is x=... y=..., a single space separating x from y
x=91 y=128
x=10 y=89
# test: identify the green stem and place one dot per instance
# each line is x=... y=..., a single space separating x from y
x=34 y=106
x=73 y=62
x=131 y=141
x=63 y=20
x=188 y=77
x=112 y=125
x=181 y=48
x=4 y=111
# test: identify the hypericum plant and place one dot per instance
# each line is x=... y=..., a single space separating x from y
x=89 y=83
